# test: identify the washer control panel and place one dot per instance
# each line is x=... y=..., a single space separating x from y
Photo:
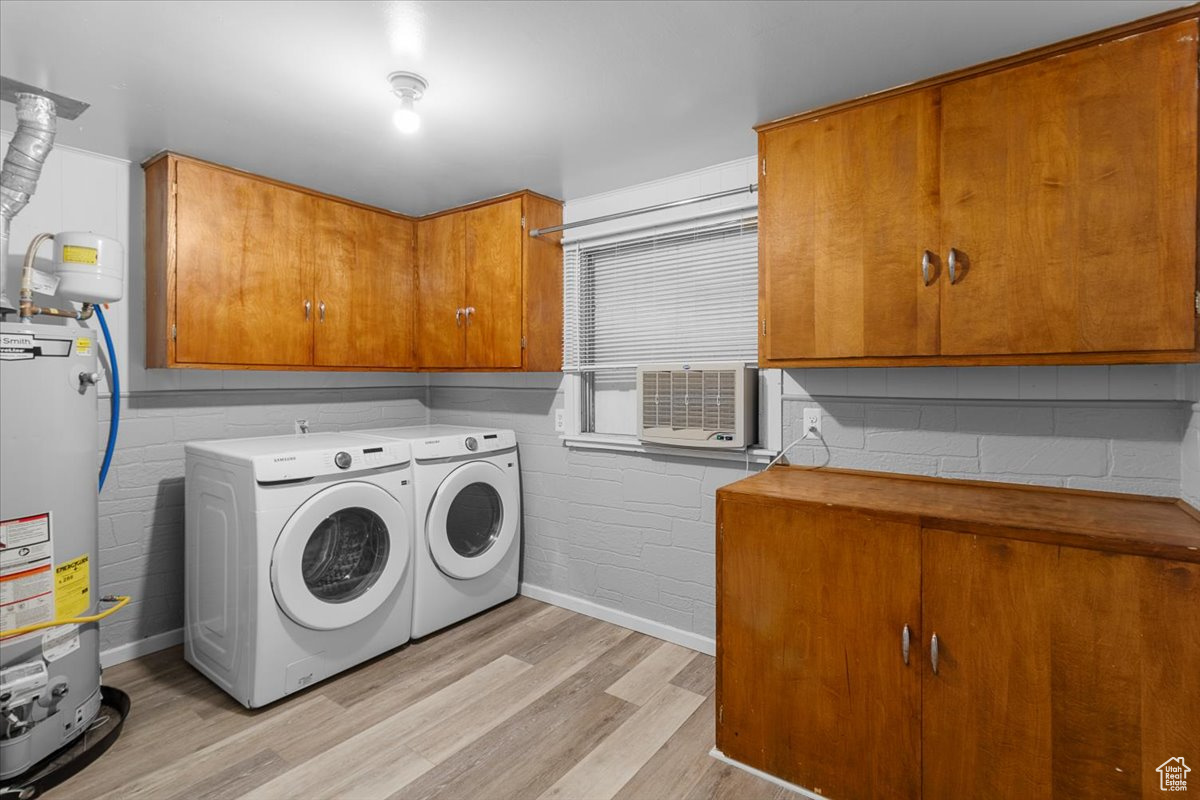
x=365 y=455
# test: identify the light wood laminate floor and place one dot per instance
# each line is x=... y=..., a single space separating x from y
x=525 y=701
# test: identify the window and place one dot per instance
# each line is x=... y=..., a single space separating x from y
x=687 y=295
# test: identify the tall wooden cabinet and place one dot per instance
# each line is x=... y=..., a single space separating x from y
x=891 y=636
x=1040 y=209
x=244 y=272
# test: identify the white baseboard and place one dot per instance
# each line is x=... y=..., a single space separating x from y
x=142 y=647
x=766 y=776
x=658 y=630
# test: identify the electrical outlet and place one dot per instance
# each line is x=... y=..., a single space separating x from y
x=301 y=426
x=812 y=423
x=560 y=419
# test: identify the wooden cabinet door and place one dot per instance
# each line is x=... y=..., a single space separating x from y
x=243 y=270
x=441 y=292
x=1061 y=672
x=847 y=208
x=1069 y=189
x=364 y=288
x=493 y=280
x=811 y=680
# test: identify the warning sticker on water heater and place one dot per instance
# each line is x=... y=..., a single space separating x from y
x=71 y=585
x=26 y=576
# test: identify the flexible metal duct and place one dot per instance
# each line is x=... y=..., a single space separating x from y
x=22 y=167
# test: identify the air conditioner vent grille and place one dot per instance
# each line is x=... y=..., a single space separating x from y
x=699 y=406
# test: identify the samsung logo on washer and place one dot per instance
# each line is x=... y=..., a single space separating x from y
x=284 y=458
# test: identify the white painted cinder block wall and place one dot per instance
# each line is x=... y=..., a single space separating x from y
x=615 y=533
x=634 y=534
x=141 y=507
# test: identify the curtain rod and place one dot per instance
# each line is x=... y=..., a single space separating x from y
x=660 y=207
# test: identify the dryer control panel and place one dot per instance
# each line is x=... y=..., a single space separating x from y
x=467 y=443
x=351 y=457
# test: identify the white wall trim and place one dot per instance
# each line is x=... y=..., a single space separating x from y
x=142 y=647
x=766 y=776
x=658 y=630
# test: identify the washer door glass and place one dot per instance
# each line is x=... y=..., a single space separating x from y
x=345 y=555
x=341 y=555
x=473 y=519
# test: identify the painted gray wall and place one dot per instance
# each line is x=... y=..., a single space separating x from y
x=141 y=506
x=635 y=532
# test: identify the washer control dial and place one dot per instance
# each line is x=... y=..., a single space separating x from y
x=343 y=460
x=472 y=444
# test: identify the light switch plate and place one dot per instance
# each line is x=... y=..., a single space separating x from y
x=560 y=419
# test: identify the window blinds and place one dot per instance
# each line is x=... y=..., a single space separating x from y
x=682 y=296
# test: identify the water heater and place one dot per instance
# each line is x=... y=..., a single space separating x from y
x=49 y=678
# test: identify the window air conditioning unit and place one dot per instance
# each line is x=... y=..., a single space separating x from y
x=698 y=405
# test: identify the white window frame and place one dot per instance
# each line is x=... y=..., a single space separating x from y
x=770 y=395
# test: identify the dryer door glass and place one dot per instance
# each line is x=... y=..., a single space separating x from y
x=474 y=519
x=345 y=555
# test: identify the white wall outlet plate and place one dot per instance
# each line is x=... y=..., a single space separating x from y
x=812 y=423
x=560 y=419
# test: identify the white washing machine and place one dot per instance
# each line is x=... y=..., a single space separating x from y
x=298 y=558
x=468 y=521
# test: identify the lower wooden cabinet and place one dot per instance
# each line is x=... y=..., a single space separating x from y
x=891 y=637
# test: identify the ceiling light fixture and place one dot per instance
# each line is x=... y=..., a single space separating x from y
x=409 y=87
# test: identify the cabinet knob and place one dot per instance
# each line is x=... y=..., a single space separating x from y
x=905 y=641
x=307 y=309
x=933 y=653
x=468 y=312
x=952 y=265
x=458 y=315
x=321 y=311
x=927 y=269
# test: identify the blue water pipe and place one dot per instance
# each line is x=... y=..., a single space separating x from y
x=114 y=421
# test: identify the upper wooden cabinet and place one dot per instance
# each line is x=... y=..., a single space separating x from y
x=1041 y=209
x=244 y=272
x=489 y=296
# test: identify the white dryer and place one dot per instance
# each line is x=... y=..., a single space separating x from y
x=298 y=558
x=468 y=520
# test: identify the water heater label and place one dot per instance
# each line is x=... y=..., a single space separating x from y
x=61 y=641
x=15 y=346
x=71 y=587
x=26 y=577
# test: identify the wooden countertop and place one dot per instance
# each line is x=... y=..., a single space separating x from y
x=1122 y=523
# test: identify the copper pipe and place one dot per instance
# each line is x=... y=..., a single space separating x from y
x=85 y=313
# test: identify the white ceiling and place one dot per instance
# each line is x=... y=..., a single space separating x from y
x=567 y=98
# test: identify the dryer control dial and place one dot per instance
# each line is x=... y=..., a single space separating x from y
x=472 y=444
x=343 y=460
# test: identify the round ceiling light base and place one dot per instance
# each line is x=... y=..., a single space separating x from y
x=408 y=84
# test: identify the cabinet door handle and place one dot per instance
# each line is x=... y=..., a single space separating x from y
x=905 y=640
x=927 y=267
x=933 y=653
x=321 y=311
x=469 y=311
x=307 y=310
x=458 y=315
x=952 y=265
